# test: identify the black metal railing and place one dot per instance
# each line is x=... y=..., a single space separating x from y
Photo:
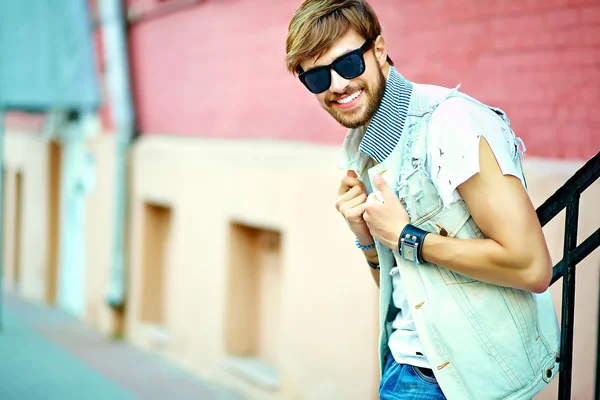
x=598 y=352
x=568 y=197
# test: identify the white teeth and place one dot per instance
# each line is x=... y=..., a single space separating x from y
x=350 y=98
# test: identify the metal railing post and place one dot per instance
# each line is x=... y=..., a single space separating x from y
x=597 y=396
x=568 y=302
x=567 y=196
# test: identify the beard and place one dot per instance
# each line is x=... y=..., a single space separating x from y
x=360 y=116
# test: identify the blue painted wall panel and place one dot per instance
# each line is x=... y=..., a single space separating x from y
x=47 y=55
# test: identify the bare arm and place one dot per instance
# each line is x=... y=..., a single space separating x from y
x=514 y=253
x=372 y=257
x=350 y=203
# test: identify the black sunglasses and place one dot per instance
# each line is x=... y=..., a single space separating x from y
x=348 y=66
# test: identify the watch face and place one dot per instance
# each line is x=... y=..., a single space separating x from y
x=408 y=252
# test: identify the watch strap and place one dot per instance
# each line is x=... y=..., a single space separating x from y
x=373 y=265
x=410 y=243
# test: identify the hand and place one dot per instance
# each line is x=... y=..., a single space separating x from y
x=386 y=219
x=352 y=196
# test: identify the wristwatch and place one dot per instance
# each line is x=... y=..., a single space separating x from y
x=410 y=243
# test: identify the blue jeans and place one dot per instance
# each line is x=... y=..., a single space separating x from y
x=405 y=382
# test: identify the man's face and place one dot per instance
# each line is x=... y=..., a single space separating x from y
x=368 y=88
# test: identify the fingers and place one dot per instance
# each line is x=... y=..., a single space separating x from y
x=351 y=174
x=372 y=199
x=371 y=206
x=379 y=181
x=355 y=213
x=348 y=182
x=358 y=200
x=349 y=195
x=384 y=189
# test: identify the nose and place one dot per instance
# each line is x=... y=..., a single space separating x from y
x=338 y=84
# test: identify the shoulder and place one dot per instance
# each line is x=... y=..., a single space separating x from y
x=425 y=97
x=456 y=128
x=463 y=114
x=459 y=120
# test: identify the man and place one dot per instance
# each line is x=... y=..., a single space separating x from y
x=436 y=197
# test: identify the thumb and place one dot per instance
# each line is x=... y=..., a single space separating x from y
x=351 y=174
x=382 y=186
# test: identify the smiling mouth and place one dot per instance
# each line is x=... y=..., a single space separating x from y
x=348 y=99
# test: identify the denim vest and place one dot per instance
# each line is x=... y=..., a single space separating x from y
x=482 y=341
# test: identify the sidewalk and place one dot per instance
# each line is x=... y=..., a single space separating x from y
x=46 y=354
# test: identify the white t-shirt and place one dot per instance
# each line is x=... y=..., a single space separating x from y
x=455 y=127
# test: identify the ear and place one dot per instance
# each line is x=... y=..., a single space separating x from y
x=380 y=50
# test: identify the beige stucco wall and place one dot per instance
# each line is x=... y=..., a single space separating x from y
x=99 y=220
x=326 y=290
x=325 y=299
x=26 y=153
x=328 y=324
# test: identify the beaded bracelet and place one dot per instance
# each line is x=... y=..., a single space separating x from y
x=360 y=246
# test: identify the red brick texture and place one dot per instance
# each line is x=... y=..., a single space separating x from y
x=217 y=70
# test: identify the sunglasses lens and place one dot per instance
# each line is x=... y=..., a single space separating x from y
x=350 y=66
x=317 y=80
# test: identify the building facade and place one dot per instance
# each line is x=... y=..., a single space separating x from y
x=233 y=179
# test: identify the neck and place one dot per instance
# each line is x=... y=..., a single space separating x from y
x=385 y=69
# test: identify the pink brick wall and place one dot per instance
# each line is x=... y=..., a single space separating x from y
x=537 y=59
x=217 y=70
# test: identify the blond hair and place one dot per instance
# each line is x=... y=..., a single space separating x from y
x=318 y=24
